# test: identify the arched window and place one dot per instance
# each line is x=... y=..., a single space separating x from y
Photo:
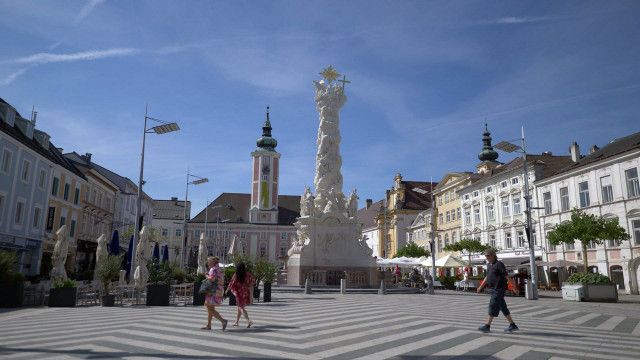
x=616 y=275
x=446 y=239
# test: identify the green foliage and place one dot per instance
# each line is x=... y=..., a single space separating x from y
x=412 y=250
x=159 y=273
x=449 y=281
x=248 y=262
x=587 y=228
x=8 y=264
x=108 y=270
x=469 y=245
x=178 y=273
x=588 y=278
x=68 y=283
x=264 y=270
x=228 y=273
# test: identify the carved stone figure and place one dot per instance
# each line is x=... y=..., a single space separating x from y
x=306 y=203
x=352 y=204
x=141 y=274
x=202 y=254
x=101 y=252
x=59 y=257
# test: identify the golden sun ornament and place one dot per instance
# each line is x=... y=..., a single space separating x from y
x=330 y=74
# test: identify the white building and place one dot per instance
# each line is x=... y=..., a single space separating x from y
x=604 y=183
x=370 y=231
x=419 y=231
x=168 y=221
x=493 y=205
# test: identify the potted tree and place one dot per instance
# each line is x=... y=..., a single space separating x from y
x=107 y=271
x=595 y=287
x=268 y=277
x=158 y=288
x=11 y=281
x=198 y=299
x=63 y=293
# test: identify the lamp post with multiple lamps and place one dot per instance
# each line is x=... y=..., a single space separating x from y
x=509 y=147
x=198 y=180
x=164 y=127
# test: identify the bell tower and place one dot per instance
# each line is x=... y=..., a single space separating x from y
x=265 y=177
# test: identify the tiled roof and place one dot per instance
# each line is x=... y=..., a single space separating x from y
x=615 y=147
x=52 y=153
x=170 y=209
x=549 y=164
x=367 y=217
x=234 y=208
x=414 y=200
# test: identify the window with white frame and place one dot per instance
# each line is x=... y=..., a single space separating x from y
x=453 y=237
x=504 y=184
x=492 y=240
x=570 y=246
x=552 y=247
x=516 y=206
x=508 y=241
x=283 y=236
x=19 y=216
x=446 y=197
x=55 y=186
x=179 y=232
x=476 y=215
x=65 y=194
x=165 y=232
x=263 y=235
x=491 y=214
x=446 y=239
x=635 y=225
x=76 y=197
x=546 y=198
x=263 y=249
x=476 y=193
x=37 y=214
x=467 y=217
x=466 y=196
x=534 y=237
x=489 y=189
x=614 y=243
x=6 y=161
x=583 y=189
x=633 y=186
x=284 y=248
x=448 y=216
x=505 y=207
x=607 y=189
x=521 y=240
x=453 y=214
x=243 y=234
x=42 y=179
x=26 y=171
x=458 y=213
x=515 y=181
x=440 y=218
x=564 y=198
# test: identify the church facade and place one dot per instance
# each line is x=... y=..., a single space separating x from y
x=261 y=221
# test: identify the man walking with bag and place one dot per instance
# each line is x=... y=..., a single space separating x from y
x=496 y=282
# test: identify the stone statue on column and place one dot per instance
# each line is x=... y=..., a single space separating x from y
x=59 y=257
x=141 y=274
x=202 y=254
x=101 y=253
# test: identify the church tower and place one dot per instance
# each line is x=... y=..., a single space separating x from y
x=264 y=185
x=487 y=156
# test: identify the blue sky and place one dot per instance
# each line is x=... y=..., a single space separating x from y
x=425 y=76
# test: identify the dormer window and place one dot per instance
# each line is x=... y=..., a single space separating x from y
x=466 y=196
x=476 y=193
x=514 y=181
x=489 y=189
x=504 y=184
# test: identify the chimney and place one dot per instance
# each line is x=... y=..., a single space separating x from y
x=8 y=114
x=87 y=157
x=574 y=150
x=175 y=200
x=369 y=203
x=593 y=149
x=548 y=153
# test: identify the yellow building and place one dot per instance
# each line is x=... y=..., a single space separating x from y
x=448 y=208
x=403 y=202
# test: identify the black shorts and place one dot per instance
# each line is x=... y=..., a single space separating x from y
x=497 y=304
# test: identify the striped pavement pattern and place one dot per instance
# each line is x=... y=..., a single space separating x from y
x=295 y=326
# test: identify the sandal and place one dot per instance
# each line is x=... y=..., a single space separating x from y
x=235 y=324
x=205 y=328
x=224 y=325
x=249 y=324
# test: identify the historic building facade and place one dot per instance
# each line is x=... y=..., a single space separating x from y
x=168 y=216
x=403 y=203
x=419 y=231
x=367 y=218
x=493 y=205
x=604 y=183
x=261 y=222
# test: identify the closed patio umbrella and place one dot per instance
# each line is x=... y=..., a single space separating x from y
x=114 y=245
x=165 y=253
x=156 y=252
x=127 y=266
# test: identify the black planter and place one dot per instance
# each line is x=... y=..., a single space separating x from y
x=256 y=293
x=108 y=300
x=11 y=294
x=198 y=299
x=62 y=297
x=158 y=294
x=232 y=299
x=267 y=292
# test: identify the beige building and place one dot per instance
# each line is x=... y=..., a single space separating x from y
x=404 y=201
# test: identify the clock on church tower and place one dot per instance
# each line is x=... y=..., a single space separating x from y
x=264 y=190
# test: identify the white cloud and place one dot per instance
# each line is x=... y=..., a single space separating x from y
x=508 y=20
x=86 y=10
x=44 y=58
x=12 y=77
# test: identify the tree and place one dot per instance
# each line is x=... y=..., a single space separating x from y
x=412 y=250
x=586 y=228
x=469 y=245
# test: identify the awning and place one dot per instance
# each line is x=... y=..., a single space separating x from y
x=559 y=263
x=450 y=261
x=515 y=261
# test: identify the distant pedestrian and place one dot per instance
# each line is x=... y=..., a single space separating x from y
x=496 y=282
x=428 y=280
x=241 y=284
x=465 y=280
x=215 y=296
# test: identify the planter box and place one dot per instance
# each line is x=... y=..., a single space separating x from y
x=158 y=294
x=108 y=300
x=62 y=297
x=601 y=292
x=11 y=294
x=267 y=292
x=572 y=292
x=198 y=299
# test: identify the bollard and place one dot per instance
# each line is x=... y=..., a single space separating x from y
x=383 y=289
x=343 y=286
x=307 y=287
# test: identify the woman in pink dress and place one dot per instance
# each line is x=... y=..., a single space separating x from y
x=241 y=284
x=215 y=296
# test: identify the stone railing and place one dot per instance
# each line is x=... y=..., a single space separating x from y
x=317 y=277
x=356 y=279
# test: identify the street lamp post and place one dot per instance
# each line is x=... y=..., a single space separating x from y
x=163 y=128
x=432 y=233
x=199 y=180
x=509 y=147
